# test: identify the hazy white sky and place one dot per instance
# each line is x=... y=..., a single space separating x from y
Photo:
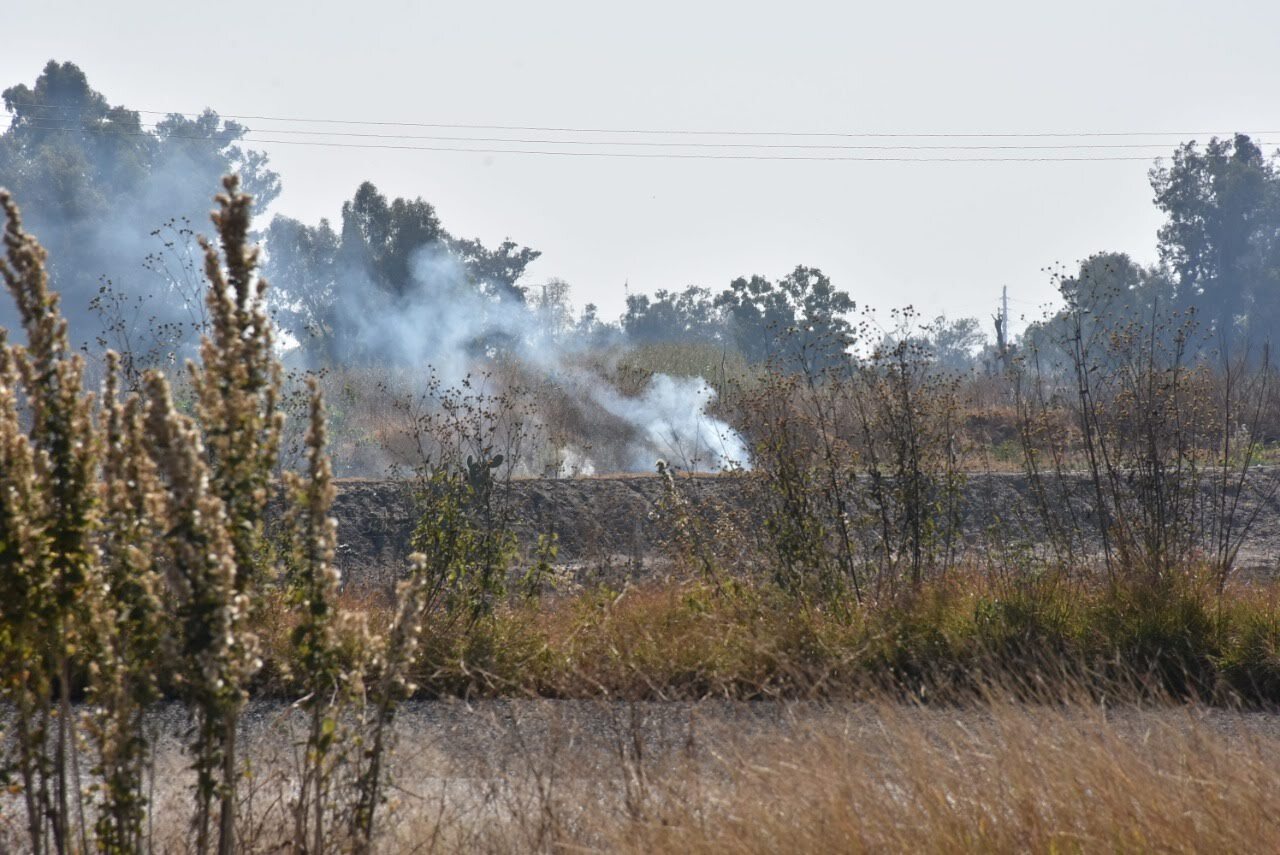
x=944 y=236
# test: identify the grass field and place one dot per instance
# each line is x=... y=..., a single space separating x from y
x=996 y=775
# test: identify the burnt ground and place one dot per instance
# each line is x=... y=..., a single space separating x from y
x=608 y=525
x=604 y=522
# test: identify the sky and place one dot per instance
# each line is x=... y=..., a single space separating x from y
x=942 y=236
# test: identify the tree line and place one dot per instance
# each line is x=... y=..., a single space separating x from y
x=127 y=272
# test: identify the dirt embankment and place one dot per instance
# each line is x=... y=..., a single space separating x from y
x=608 y=522
x=595 y=520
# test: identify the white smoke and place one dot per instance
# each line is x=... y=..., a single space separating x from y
x=575 y=463
x=438 y=324
x=672 y=424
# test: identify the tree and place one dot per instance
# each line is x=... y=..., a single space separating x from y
x=801 y=318
x=1221 y=239
x=385 y=238
x=496 y=272
x=690 y=315
x=338 y=292
x=303 y=262
x=590 y=331
x=204 y=146
x=381 y=237
x=551 y=306
x=954 y=344
x=1109 y=294
x=99 y=183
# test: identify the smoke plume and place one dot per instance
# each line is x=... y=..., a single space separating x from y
x=443 y=324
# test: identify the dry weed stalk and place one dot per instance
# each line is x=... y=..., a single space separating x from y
x=48 y=560
x=237 y=384
x=217 y=470
x=1164 y=446
x=392 y=657
x=133 y=553
x=216 y=652
x=331 y=670
x=859 y=469
x=129 y=654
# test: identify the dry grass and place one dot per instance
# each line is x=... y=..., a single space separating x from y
x=996 y=776
x=689 y=640
x=1014 y=779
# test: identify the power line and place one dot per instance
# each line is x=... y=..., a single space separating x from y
x=676 y=131
x=154 y=127
x=620 y=154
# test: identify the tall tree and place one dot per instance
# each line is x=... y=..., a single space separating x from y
x=392 y=259
x=801 y=318
x=1109 y=294
x=382 y=237
x=690 y=315
x=1221 y=239
x=496 y=272
x=98 y=184
x=303 y=264
x=954 y=344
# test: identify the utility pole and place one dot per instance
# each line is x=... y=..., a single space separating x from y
x=1003 y=351
x=1004 y=308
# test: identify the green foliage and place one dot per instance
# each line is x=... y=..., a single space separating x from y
x=1108 y=294
x=468 y=549
x=1164 y=632
x=381 y=236
x=798 y=323
x=542 y=568
x=462 y=489
x=1249 y=661
x=688 y=316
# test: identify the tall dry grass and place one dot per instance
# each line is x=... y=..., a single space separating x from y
x=702 y=638
x=998 y=776
x=1010 y=778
